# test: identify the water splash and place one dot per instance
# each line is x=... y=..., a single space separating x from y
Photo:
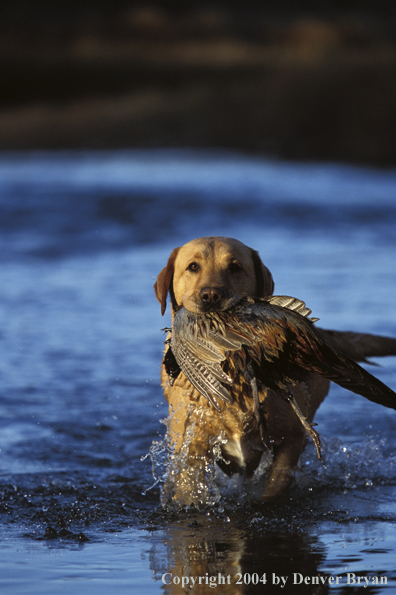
x=196 y=481
x=185 y=484
x=348 y=465
x=203 y=485
x=159 y=453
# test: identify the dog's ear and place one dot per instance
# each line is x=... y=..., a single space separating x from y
x=164 y=281
x=265 y=283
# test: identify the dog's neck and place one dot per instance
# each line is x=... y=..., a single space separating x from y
x=175 y=305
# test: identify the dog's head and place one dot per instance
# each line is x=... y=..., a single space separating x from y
x=210 y=274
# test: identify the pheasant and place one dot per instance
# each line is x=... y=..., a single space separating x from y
x=270 y=341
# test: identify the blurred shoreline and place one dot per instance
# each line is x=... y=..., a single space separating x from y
x=301 y=85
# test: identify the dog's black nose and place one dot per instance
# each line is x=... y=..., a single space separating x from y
x=211 y=295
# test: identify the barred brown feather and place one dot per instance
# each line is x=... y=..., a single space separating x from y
x=277 y=337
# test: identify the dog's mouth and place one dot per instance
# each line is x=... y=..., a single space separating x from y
x=220 y=305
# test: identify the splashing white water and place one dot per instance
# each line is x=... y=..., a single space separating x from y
x=184 y=484
x=196 y=481
x=346 y=466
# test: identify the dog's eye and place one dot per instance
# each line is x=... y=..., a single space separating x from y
x=234 y=267
x=193 y=267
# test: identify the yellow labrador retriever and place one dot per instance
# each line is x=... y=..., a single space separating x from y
x=201 y=276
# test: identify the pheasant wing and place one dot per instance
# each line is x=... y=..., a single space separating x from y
x=308 y=349
x=199 y=362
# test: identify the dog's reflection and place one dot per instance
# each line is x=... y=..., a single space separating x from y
x=210 y=556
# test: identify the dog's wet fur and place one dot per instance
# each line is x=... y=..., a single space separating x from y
x=211 y=274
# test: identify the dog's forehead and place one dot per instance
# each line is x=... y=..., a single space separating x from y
x=213 y=248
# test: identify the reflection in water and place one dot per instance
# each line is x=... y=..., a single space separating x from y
x=215 y=552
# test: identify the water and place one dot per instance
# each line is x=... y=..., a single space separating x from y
x=83 y=236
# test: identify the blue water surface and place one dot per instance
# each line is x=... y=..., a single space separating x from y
x=83 y=236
